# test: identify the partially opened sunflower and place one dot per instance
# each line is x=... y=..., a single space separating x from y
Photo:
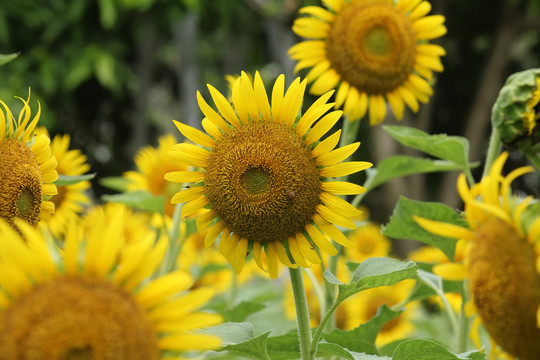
x=27 y=167
x=502 y=261
x=263 y=178
x=373 y=51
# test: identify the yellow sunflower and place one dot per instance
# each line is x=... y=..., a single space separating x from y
x=368 y=242
x=71 y=199
x=152 y=164
x=502 y=261
x=27 y=168
x=263 y=177
x=373 y=51
x=96 y=299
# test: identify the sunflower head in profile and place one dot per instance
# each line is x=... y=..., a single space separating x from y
x=152 y=164
x=501 y=259
x=373 y=51
x=96 y=299
x=264 y=178
x=27 y=167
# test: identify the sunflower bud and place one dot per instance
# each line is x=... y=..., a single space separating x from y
x=517 y=111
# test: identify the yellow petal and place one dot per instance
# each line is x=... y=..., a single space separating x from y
x=194 y=135
x=342 y=188
x=343 y=169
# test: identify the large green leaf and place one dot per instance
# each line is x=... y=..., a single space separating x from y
x=254 y=348
x=419 y=349
x=442 y=146
x=142 y=200
x=232 y=333
x=402 y=165
x=402 y=225
x=71 y=180
x=284 y=347
x=326 y=348
x=362 y=338
x=373 y=272
x=118 y=183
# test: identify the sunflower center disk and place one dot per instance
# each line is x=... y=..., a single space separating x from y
x=256 y=180
x=77 y=318
x=20 y=182
x=506 y=287
x=262 y=181
x=372 y=46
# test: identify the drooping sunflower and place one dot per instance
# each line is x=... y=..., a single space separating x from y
x=263 y=179
x=96 y=299
x=373 y=51
x=71 y=199
x=27 y=167
x=152 y=164
x=501 y=260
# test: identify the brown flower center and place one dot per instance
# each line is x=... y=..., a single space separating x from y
x=506 y=287
x=76 y=318
x=20 y=182
x=372 y=46
x=262 y=181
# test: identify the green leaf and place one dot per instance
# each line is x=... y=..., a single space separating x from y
x=419 y=349
x=142 y=200
x=402 y=225
x=402 y=165
x=64 y=180
x=362 y=338
x=284 y=347
x=254 y=347
x=241 y=311
x=423 y=291
x=373 y=272
x=452 y=148
x=326 y=348
x=232 y=333
x=118 y=183
x=5 y=58
x=108 y=13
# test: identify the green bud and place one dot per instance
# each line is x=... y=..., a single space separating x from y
x=516 y=113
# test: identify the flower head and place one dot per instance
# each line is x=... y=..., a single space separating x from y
x=27 y=168
x=152 y=164
x=96 y=298
x=368 y=242
x=501 y=259
x=264 y=178
x=374 y=51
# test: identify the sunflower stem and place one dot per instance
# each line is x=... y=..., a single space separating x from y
x=494 y=149
x=318 y=333
x=169 y=262
x=302 y=313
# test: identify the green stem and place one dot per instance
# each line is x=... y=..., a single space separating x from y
x=318 y=290
x=318 y=333
x=302 y=313
x=349 y=131
x=169 y=262
x=494 y=149
x=463 y=334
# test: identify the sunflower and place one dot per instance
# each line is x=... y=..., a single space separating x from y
x=263 y=178
x=71 y=199
x=152 y=164
x=96 y=299
x=374 y=51
x=501 y=260
x=27 y=168
x=368 y=242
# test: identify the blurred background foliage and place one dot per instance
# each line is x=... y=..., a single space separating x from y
x=114 y=73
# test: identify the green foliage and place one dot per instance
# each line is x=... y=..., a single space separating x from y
x=241 y=311
x=4 y=59
x=118 y=183
x=418 y=349
x=373 y=272
x=71 y=180
x=142 y=200
x=402 y=225
x=254 y=348
x=452 y=148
